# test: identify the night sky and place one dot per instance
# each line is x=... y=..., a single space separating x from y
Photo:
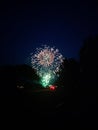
x=25 y=26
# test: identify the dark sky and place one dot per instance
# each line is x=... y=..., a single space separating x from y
x=25 y=26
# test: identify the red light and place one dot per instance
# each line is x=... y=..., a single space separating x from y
x=52 y=87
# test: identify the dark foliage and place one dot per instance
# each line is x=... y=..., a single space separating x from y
x=89 y=81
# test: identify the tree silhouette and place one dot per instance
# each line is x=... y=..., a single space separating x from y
x=89 y=80
x=88 y=61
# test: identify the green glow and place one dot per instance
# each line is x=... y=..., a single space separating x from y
x=46 y=80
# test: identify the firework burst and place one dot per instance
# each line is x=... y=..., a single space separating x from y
x=47 y=60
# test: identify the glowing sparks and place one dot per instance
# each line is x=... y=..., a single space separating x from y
x=47 y=62
x=46 y=79
x=45 y=58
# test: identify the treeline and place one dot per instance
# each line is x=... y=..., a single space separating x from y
x=74 y=73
